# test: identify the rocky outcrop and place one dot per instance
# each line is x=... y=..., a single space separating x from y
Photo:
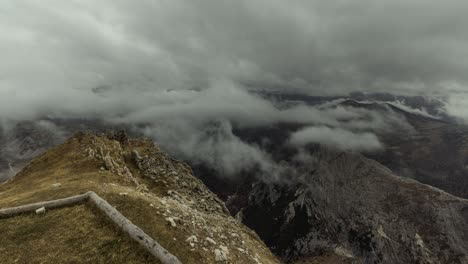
x=112 y=156
x=356 y=207
x=157 y=193
x=178 y=177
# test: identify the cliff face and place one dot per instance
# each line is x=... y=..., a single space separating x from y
x=356 y=208
x=156 y=192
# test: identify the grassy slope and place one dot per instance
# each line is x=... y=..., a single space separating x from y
x=69 y=165
x=69 y=235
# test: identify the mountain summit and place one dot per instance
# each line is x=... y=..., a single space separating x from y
x=155 y=192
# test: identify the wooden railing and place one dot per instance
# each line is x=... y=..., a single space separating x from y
x=114 y=215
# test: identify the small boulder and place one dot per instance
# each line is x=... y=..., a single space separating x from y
x=209 y=241
x=41 y=210
x=221 y=254
x=108 y=162
x=171 y=221
x=136 y=155
x=192 y=239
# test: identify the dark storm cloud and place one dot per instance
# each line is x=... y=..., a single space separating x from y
x=69 y=48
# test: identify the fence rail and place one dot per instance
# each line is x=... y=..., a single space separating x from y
x=113 y=214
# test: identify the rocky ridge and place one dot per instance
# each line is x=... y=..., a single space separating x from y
x=356 y=208
x=159 y=194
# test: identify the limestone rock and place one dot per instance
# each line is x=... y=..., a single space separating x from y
x=357 y=208
x=209 y=241
x=108 y=162
x=41 y=210
x=136 y=155
x=171 y=221
x=221 y=254
x=192 y=239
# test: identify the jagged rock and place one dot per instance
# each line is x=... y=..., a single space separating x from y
x=91 y=153
x=136 y=155
x=108 y=162
x=209 y=241
x=114 y=164
x=192 y=239
x=171 y=221
x=357 y=204
x=160 y=168
x=142 y=188
x=221 y=254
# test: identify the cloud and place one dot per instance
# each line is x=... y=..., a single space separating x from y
x=198 y=126
x=56 y=53
x=457 y=106
x=214 y=144
x=417 y=111
x=336 y=138
x=175 y=67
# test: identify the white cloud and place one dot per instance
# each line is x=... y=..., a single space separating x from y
x=336 y=138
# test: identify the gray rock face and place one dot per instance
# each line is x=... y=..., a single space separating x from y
x=355 y=204
x=162 y=169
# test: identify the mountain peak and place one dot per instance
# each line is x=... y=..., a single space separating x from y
x=156 y=192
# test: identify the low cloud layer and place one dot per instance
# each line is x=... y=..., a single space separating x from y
x=199 y=132
x=336 y=138
x=457 y=106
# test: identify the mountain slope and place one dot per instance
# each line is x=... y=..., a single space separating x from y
x=157 y=193
x=94 y=240
x=356 y=207
x=434 y=151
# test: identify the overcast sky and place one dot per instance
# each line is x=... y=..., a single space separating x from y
x=57 y=51
x=181 y=63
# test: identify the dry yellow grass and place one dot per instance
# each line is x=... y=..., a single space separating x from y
x=76 y=234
